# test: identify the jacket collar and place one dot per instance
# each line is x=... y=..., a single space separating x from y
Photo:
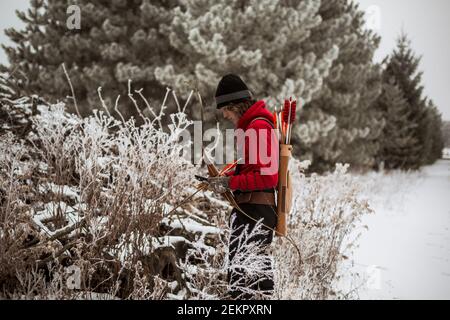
x=256 y=111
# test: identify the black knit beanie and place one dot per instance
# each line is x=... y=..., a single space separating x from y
x=231 y=89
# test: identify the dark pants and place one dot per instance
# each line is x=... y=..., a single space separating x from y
x=268 y=213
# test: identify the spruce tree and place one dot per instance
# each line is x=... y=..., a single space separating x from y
x=398 y=140
x=26 y=56
x=446 y=133
x=435 y=138
x=401 y=69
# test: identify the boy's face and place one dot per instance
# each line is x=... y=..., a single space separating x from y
x=231 y=116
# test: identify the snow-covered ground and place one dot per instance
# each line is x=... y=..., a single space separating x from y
x=446 y=154
x=405 y=254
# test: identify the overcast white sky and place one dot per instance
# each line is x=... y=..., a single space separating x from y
x=426 y=21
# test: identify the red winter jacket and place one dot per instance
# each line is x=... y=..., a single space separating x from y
x=251 y=177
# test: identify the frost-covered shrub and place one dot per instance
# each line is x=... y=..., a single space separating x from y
x=326 y=212
x=15 y=220
x=95 y=196
x=57 y=133
x=323 y=225
x=206 y=270
x=90 y=193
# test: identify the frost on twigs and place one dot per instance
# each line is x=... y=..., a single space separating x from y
x=325 y=224
x=84 y=214
x=216 y=274
x=91 y=193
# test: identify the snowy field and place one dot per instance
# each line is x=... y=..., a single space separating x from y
x=446 y=153
x=405 y=254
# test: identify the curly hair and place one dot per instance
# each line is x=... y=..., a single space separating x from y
x=241 y=107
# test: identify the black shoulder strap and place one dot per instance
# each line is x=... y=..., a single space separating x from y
x=264 y=119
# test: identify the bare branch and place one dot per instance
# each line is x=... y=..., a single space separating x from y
x=71 y=88
x=130 y=95
x=187 y=101
x=105 y=107
x=176 y=101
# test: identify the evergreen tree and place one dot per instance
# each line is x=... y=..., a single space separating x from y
x=351 y=125
x=446 y=133
x=260 y=40
x=401 y=69
x=25 y=57
x=118 y=40
x=435 y=138
x=398 y=140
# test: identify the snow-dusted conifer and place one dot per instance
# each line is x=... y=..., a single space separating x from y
x=401 y=69
x=398 y=140
x=118 y=40
x=341 y=124
x=259 y=40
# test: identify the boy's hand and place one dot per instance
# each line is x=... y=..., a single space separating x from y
x=219 y=184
